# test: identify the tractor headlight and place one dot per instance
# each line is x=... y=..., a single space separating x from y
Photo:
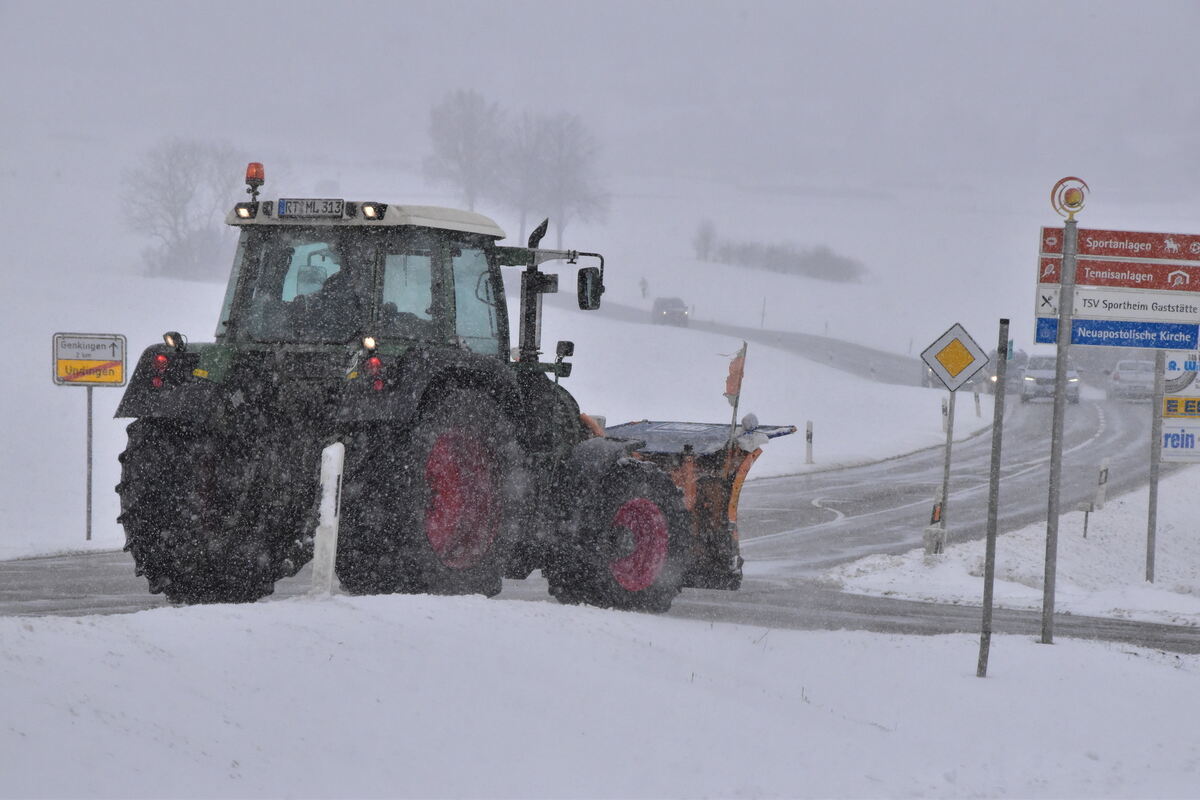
x=175 y=340
x=374 y=211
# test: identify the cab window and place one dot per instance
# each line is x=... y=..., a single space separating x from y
x=308 y=286
x=406 y=308
x=474 y=301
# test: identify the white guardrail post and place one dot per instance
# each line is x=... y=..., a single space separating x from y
x=808 y=443
x=325 y=539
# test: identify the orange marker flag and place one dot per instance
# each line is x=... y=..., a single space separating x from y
x=733 y=384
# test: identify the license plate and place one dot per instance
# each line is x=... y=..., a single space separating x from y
x=310 y=207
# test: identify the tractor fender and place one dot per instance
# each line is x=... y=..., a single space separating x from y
x=591 y=459
x=178 y=397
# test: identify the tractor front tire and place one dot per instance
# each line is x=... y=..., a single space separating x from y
x=179 y=508
x=627 y=546
x=434 y=510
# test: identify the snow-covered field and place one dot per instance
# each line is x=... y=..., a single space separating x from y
x=422 y=697
x=465 y=697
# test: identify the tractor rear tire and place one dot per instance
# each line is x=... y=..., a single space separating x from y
x=179 y=490
x=627 y=547
x=434 y=510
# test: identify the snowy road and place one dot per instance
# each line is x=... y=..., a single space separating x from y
x=793 y=527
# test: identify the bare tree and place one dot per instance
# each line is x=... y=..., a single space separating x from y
x=522 y=186
x=177 y=195
x=467 y=133
x=570 y=187
x=705 y=239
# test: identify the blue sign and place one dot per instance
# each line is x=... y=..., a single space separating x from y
x=1123 y=333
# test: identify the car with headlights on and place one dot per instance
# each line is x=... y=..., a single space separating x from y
x=1038 y=379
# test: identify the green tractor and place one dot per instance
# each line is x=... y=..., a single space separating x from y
x=385 y=328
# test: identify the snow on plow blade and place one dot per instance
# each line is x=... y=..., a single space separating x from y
x=709 y=468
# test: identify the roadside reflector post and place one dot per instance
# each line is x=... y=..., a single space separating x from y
x=1101 y=485
x=934 y=535
x=978 y=408
x=808 y=442
x=946 y=413
x=325 y=540
x=989 y=558
x=1156 y=448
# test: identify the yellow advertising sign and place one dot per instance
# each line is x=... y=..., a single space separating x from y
x=89 y=359
x=1181 y=407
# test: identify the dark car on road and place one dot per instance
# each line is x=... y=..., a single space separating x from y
x=669 y=311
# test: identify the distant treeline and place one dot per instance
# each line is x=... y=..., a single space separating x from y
x=818 y=262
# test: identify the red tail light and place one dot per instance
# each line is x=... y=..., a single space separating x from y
x=159 y=364
x=374 y=367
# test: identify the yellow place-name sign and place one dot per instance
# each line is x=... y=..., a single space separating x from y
x=89 y=359
x=79 y=371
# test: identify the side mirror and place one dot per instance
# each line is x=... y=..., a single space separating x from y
x=564 y=349
x=590 y=287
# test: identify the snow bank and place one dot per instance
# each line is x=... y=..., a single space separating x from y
x=465 y=697
x=1101 y=575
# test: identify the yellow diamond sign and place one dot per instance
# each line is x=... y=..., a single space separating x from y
x=954 y=357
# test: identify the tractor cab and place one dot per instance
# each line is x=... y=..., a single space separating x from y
x=332 y=271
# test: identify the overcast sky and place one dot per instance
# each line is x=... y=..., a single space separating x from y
x=787 y=93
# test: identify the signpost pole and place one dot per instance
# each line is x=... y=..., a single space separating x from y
x=1156 y=446
x=946 y=468
x=88 y=529
x=1065 y=304
x=989 y=559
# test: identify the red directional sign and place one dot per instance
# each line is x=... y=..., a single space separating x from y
x=1124 y=274
x=1126 y=244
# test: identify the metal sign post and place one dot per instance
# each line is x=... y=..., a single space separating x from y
x=1156 y=446
x=946 y=466
x=989 y=559
x=89 y=360
x=1067 y=198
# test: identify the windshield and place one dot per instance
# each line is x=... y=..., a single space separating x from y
x=305 y=285
x=1045 y=363
x=325 y=285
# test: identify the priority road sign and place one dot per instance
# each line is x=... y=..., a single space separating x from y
x=954 y=357
x=89 y=359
